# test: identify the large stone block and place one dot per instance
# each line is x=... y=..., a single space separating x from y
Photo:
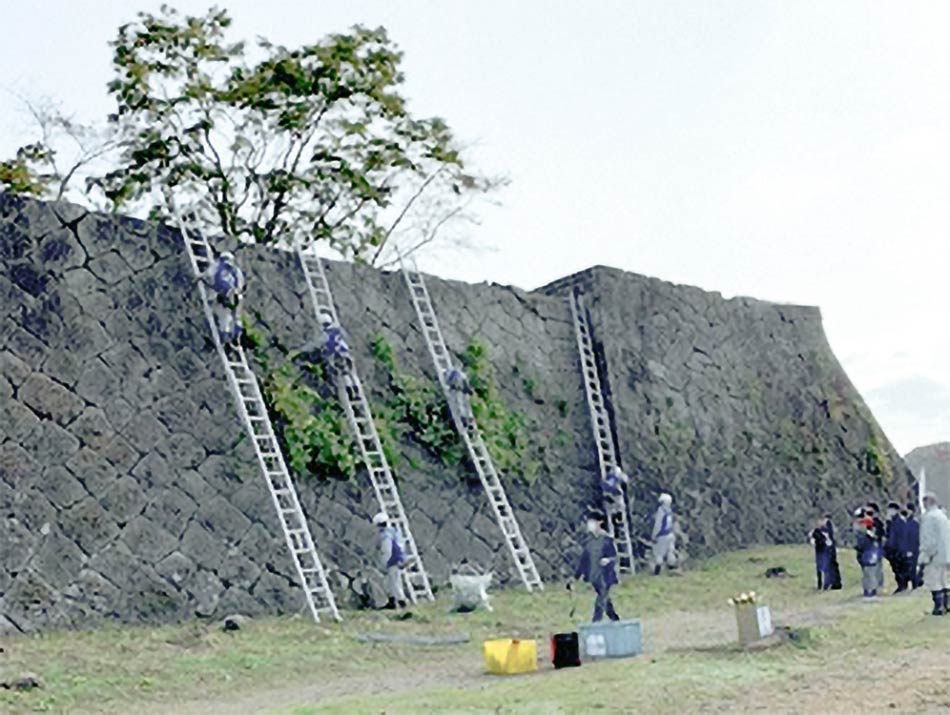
x=204 y=548
x=222 y=520
x=18 y=423
x=93 y=429
x=181 y=450
x=90 y=597
x=88 y=524
x=51 y=443
x=58 y=559
x=32 y=604
x=13 y=368
x=171 y=508
x=59 y=250
x=50 y=399
x=17 y=467
x=95 y=472
x=97 y=383
x=124 y=500
x=144 y=432
x=19 y=544
x=147 y=540
x=176 y=568
x=61 y=487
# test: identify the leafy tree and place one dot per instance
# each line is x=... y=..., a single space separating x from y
x=306 y=144
x=264 y=143
x=28 y=172
x=57 y=166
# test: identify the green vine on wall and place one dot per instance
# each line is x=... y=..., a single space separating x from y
x=312 y=427
x=416 y=410
x=505 y=431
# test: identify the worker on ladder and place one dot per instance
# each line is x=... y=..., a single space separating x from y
x=336 y=353
x=392 y=560
x=460 y=395
x=225 y=278
x=612 y=486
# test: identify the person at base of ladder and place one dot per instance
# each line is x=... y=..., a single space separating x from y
x=336 y=352
x=225 y=278
x=664 y=536
x=392 y=560
x=935 y=552
x=612 y=487
x=461 y=395
x=598 y=565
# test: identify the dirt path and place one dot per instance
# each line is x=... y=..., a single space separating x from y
x=454 y=668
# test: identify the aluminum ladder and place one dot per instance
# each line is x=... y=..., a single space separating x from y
x=472 y=435
x=600 y=422
x=253 y=413
x=358 y=414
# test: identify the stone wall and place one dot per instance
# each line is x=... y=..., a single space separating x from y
x=128 y=492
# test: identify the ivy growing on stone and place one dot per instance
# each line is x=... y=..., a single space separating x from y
x=416 y=411
x=310 y=426
x=505 y=432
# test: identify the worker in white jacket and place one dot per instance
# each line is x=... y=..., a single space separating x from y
x=664 y=535
x=935 y=551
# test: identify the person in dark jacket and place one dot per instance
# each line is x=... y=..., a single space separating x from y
x=912 y=546
x=598 y=565
x=894 y=545
x=820 y=539
x=829 y=529
x=868 y=551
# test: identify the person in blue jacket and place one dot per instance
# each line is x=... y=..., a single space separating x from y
x=895 y=538
x=598 y=565
x=868 y=550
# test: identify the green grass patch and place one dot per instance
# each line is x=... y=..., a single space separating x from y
x=112 y=669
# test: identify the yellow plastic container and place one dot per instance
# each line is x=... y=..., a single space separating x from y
x=508 y=656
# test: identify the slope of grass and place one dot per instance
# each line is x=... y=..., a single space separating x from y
x=126 y=669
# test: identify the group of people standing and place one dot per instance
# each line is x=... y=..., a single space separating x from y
x=918 y=552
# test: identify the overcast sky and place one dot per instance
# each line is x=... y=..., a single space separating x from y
x=796 y=152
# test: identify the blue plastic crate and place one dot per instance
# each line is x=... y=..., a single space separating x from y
x=610 y=639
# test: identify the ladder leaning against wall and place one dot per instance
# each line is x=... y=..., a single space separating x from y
x=253 y=413
x=360 y=418
x=471 y=435
x=600 y=422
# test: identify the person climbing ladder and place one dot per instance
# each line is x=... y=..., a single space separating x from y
x=225 y=278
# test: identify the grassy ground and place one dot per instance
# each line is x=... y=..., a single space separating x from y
x=293 y=667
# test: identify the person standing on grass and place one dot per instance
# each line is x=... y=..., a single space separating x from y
x=873 y=512
x=935 y=551
x=597 y=565
x=829 y=529
x=392 y=560
x=912 y=546
x=868 y=550
x=664 y=535
x=823 y=544
x=894 y=545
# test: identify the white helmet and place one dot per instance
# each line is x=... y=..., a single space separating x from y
x=380 y=519
x=227 y=256
x=666 y=499
x=326 y=318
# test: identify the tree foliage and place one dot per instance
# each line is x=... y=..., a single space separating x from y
x=261 y=142
x=278 y=145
